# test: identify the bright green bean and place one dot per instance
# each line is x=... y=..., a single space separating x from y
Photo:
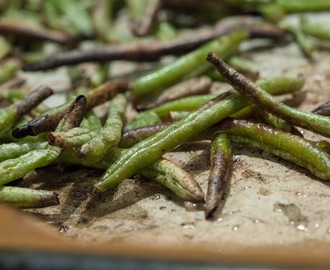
x=170 y=74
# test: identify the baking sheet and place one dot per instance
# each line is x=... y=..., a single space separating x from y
x=272 y=203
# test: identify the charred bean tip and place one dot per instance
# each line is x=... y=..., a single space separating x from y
x=22 y=131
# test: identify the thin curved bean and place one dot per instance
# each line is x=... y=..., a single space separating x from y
x=285 y=145
x=311 y=121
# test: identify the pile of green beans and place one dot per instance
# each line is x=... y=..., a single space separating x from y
x=172 y=103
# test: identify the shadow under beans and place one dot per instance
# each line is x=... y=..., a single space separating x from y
x=128 y=192
x=239 y=149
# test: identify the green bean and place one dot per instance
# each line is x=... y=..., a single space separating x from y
x=28 y=198
x=91 y=122
x=161 y=79
x=102 y=15
x=146 y=118
x=15 y=168
x=247 y=2
x=152 y=148
x=189 y=87
x=110 y=135
x=144 y=26
x=311 y=121
x=274 y=121
x=12 y=95
x=50 y=120
x=305 y=44
x=272 y=12
x=133 y=136
x=304 y=5
x=75 y=115
x=5 y=47
x=283 y=85
x=74 y=137
x=316 y=30
x=245 y=66
x=177 y=115
x=179 y=181
x=220 y=172
x=136 y=8
x=75 y=14
x=10 y=115
x=166 y=31
x=8 y=70
x=287 y=146
x=13 y=150
x=182 y=104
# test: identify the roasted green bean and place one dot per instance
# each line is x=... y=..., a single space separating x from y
x=311 y=121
